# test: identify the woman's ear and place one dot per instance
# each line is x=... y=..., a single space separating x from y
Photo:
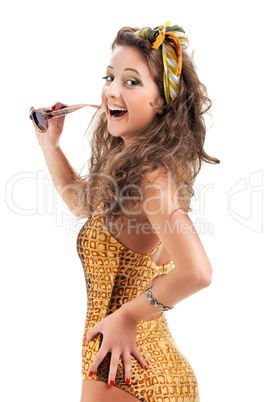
x=159 y=102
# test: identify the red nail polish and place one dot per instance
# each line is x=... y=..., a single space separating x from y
x=32 y=107
x=127 y=380
x=91 y=373
x=145 y=367
x=112 y=383
x=53 y=107
x=85 y=338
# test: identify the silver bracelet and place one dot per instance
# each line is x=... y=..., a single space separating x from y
x=154 y=302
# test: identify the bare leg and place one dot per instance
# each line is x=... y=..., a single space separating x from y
x=99 y=391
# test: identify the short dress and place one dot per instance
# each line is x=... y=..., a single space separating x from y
x=115 y=275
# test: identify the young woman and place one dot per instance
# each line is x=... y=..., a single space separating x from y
x=140 y=251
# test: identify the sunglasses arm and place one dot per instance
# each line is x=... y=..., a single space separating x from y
x=65 y=110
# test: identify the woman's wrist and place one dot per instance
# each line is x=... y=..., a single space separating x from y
x=140 y=308
x=49 y=148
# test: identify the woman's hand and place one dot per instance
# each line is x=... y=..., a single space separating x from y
x=119 y=338
x=51 y=137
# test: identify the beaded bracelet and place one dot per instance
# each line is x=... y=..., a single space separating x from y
x=154 y=302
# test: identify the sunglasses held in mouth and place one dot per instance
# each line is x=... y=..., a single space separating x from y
x=40 y=117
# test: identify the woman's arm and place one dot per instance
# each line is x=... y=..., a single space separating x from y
x=65 y=178
x=192 y=271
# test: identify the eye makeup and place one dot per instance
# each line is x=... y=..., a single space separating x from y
x=133 y=82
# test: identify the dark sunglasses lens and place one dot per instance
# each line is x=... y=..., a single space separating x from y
x=40 y=121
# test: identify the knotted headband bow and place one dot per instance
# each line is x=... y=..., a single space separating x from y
x=172 y=39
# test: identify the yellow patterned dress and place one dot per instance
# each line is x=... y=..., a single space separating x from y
x=115 y=275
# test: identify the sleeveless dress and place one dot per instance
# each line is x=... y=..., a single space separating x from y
x=115 y=275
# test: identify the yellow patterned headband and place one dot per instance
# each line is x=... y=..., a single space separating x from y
x=172 y=39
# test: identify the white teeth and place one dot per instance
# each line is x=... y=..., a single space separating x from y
x=116 y=108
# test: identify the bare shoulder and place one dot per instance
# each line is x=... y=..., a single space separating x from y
x=159 y=192
x=158 y=176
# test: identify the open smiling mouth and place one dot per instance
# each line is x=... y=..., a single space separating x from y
x=116 y=112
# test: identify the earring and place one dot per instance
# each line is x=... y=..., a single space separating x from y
x=160 y=111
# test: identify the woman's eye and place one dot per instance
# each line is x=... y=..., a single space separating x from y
x=108 y=78
x=132 y=82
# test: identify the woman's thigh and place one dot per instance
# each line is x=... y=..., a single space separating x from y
x=100 y=391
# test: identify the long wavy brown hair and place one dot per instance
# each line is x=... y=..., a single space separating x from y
x=173 y=142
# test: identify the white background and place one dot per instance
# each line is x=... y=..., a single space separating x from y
x=58 y=51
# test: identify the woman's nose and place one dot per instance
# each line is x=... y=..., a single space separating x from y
x=113 y=90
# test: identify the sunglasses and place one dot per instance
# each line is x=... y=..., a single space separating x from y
x=40 y=118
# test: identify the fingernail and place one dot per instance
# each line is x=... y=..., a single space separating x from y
x=32 y=107
x=85 y=338
x=53 y=107
x=145 y=367
x=127 y=380
x=112 y=383
x=90 y=374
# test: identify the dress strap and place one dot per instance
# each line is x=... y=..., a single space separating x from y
x=155 y=249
